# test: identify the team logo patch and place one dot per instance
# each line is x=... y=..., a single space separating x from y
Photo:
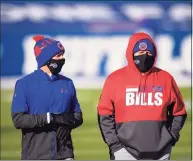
x=63 y=90
x=157 y=88
x=142 y=46
x=60 y=46
x=136 y=61
x=54 y=65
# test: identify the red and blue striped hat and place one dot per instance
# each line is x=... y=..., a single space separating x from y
x=45 y=49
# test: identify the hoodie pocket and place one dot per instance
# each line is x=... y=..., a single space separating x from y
x=144 y=139
x=165 y=140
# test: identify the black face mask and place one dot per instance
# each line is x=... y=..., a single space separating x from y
x=55 y=66
x=144 y=62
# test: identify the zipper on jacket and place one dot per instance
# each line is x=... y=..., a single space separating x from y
x=53 y=136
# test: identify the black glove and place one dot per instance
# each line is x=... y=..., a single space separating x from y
x=63 y=118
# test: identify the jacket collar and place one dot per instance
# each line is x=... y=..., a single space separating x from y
x=44 y=76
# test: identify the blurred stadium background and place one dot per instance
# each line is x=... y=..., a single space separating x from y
x=95 y=35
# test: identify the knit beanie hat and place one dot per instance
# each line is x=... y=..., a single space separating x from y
x=45 y=49
x=144 y=44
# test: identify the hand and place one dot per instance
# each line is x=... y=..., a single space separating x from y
x=56 y=117
x=63 y=118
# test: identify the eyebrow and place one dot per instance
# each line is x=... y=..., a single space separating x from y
x=59 y=54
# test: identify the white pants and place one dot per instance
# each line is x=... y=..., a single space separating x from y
x=69 y=159
x=166 y=154
x=124 y=155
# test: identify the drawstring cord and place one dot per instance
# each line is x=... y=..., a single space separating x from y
x=139 y=84
x=144 y=87
x=145 y=83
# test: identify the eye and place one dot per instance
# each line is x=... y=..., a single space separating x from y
x=59 y=55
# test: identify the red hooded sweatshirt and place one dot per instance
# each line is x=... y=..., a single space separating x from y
x=143 y=113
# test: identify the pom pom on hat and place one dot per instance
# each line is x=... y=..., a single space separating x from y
x=38 y=37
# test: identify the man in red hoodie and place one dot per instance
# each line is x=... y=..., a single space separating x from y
x=141 y=110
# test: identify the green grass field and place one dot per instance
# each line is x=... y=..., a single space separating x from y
x=87 y=140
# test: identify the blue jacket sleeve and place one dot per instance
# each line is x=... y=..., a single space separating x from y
x=75 y=103
x=19 y=102
x=21 y=118
x=76 y=109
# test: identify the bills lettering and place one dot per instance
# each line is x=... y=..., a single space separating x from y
x=133 y=97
